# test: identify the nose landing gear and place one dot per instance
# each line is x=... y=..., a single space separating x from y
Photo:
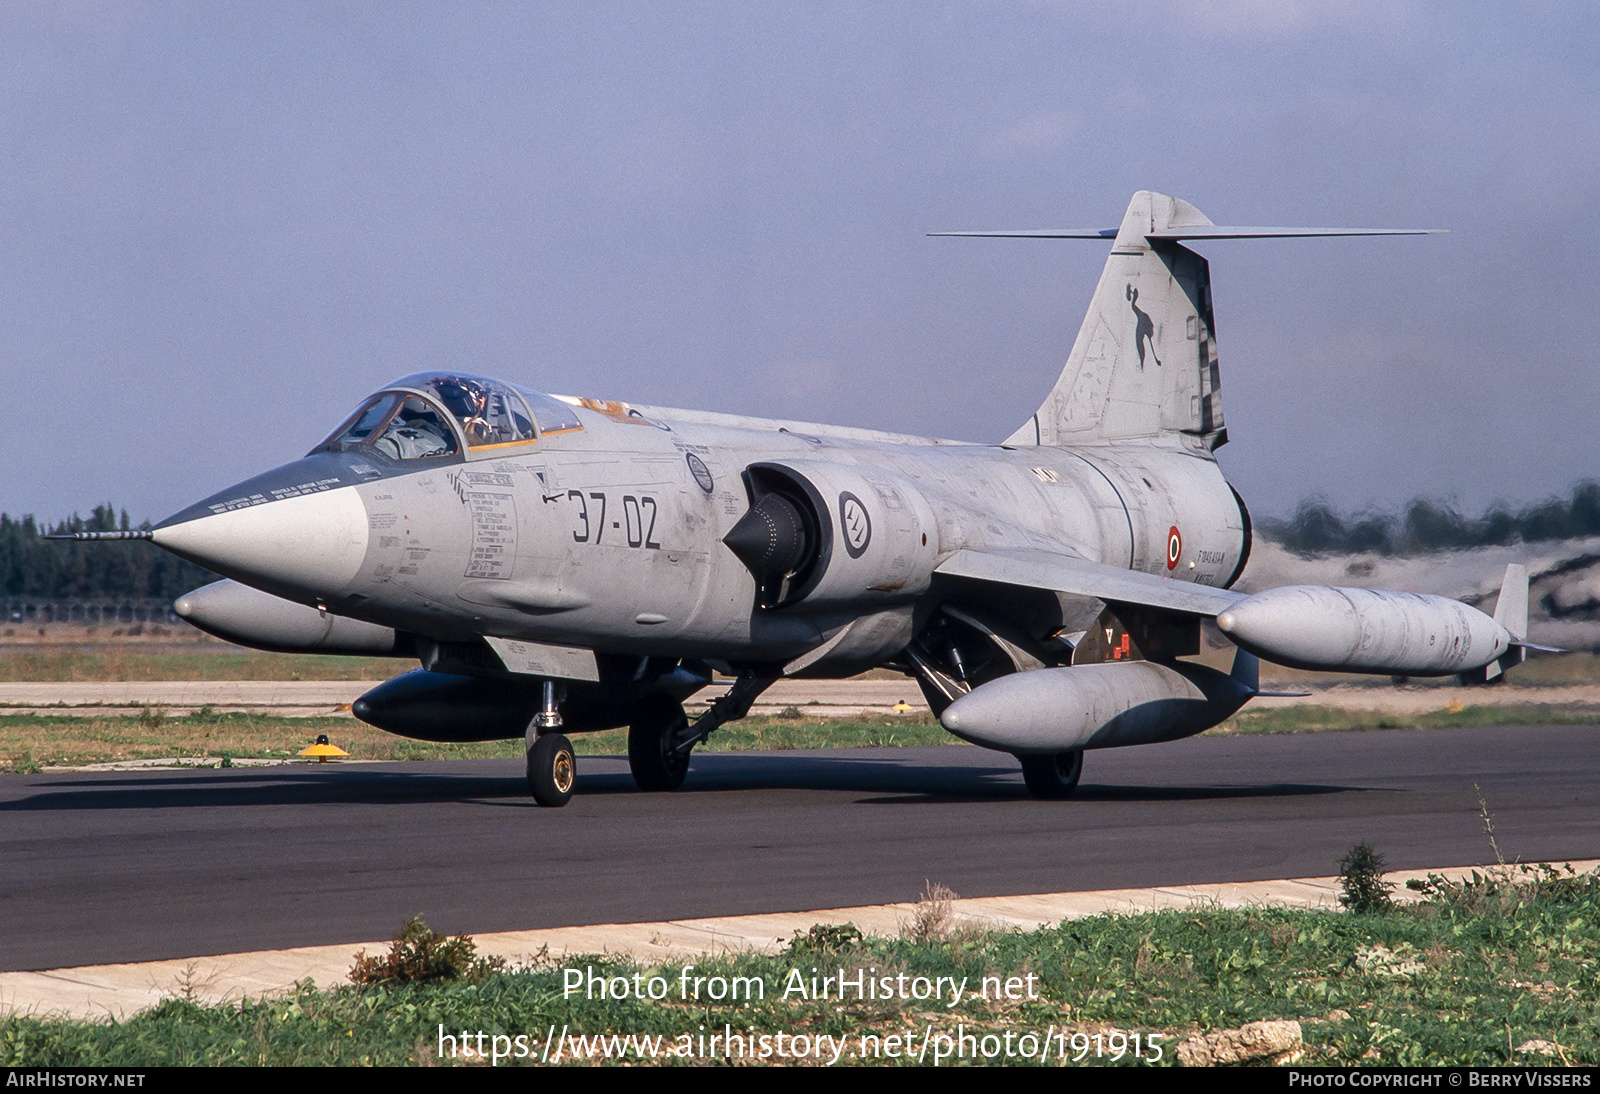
x=552 y=769
x=552 y=765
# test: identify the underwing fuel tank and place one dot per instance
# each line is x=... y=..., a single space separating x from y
x=249 y=617
x=1363 y=630
x=1095 y=706
x=439 y=706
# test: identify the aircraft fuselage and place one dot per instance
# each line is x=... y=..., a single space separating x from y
x=610 y=537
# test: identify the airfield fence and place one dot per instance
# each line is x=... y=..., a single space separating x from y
x=28 y=610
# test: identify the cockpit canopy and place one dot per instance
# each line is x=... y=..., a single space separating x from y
x=432 y=414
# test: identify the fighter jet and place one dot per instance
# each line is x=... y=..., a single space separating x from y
x=561 y=565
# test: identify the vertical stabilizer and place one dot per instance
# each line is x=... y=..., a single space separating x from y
x=1145 y=360
x=1511 y=609
x=1511 y=612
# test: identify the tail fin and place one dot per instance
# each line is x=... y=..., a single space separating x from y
x=1145 y=361
x=1511 y=609
x=1511 y=612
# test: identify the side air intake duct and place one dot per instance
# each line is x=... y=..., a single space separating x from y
x=785 y=538
x=821 y=535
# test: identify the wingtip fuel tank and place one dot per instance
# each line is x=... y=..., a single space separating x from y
x=1326 y=628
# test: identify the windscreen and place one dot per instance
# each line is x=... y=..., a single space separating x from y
x=489 y=412
x=401 y=427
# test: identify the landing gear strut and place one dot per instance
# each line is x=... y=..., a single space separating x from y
x=552 y=765
x=1052 y=776
x=661 y=738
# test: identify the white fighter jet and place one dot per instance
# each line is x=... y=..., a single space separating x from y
x=562 y=565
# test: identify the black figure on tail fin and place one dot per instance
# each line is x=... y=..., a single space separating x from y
x=1145 y=331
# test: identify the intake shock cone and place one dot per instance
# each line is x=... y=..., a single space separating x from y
x=773 y=538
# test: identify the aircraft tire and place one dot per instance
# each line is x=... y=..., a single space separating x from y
x=552 y=769
x=1053 y=776
x=655 y=766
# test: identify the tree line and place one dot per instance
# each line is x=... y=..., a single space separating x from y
x=1425 y=525
x=44 y=569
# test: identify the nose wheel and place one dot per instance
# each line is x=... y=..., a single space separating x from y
x=1052 y=776
x=552 y=769
x=654 y=756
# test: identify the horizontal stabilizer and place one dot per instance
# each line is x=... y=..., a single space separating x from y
x=1218 y=231
x=1080 y=577
x=1199 y=231
x=1042 y=233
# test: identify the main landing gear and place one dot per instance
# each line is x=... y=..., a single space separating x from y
x=659 y=725
x=1052 y=776
x=661 y=738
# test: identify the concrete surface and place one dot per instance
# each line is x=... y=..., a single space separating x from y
x=97 y=992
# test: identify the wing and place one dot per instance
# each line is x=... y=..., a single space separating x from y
x=1063 y=573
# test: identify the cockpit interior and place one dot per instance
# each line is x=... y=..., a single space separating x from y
x=432 y=414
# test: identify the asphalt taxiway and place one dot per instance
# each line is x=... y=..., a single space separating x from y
x=149 y=865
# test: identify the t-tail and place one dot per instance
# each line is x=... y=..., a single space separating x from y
x=1144 y=364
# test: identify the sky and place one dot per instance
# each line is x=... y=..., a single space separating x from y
x=222 y=225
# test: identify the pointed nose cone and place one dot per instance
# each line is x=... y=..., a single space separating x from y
x=312 y=545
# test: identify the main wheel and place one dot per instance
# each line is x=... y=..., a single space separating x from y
x=1053 y=776
x=655 y=764
x=552 y=769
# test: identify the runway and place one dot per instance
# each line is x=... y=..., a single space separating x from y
x=126 y=866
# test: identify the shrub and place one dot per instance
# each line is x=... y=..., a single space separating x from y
x=825 y=938
x=421 y=955
x=1361 y=885
x=933 y=919
x=1502 y=890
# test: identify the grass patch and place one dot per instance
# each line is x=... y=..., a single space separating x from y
x=113 y=662
x=1300 y=719
x=1466 y=977
x=31 y=741
x=781 y=732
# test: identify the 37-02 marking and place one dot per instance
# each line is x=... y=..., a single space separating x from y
x=639 y=514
